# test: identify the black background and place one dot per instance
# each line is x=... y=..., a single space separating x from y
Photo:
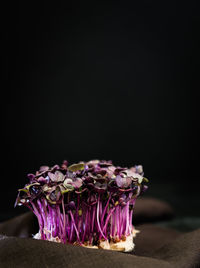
x=114 y=80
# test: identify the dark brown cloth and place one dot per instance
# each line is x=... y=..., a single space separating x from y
x=155 y=246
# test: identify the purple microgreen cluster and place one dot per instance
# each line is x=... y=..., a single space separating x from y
x=83 y=203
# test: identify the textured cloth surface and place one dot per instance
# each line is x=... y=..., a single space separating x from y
x=155 y=246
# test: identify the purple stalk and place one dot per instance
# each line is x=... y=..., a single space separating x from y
x=71 y=231
x=59 y=222
x=64 y=220
x=127 y=219
x=105 y=209
x=85 y=226
x=74 y=224
x=93 y=217
x=36 y=212
x=117 y=220
x=54 y=230
x=120 y=222
x=107 y=219
x=99 y=227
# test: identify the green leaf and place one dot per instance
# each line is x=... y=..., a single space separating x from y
x=67 y=183
x=145 y=179
x=140 y=179
x=67 y=190
x=28 y=186
x=76 y=167
x=23 y=190
x=49 y=199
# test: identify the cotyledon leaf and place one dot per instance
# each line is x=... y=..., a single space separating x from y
x=145 y=179
x=76 y=167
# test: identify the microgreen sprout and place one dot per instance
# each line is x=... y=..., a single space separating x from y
x=89 y=204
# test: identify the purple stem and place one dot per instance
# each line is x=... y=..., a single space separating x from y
x=98 y=223
x=42 y=223
x=64 y=221
x=54 y=231
x=72 y=218
x=38 y=216
x=130 y=218
x=59 y=221
x=127 y=219
x=117 y=220
x=77 y=208
x=85 y=229
x=93 y=217
x=71 y=230
x=105 y=209
x=108 y=217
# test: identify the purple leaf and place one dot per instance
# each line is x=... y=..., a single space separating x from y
x=123 y=182
x=31 y=176
x=43 y=168
x=56 y=177
x=77 y=183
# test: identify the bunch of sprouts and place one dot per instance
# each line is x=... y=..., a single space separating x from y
x=89 y=204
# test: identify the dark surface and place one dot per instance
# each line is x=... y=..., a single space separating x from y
x=111 y=81
x=180 y=252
